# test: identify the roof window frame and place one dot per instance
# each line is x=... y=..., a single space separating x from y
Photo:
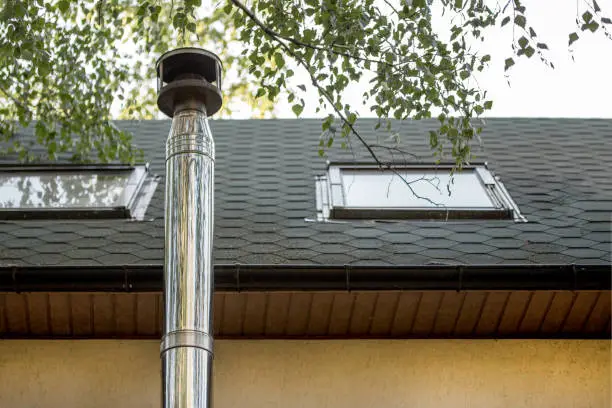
x=133 y=202
x=331 y=201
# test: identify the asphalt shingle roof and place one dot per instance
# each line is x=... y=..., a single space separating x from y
x=556 y=170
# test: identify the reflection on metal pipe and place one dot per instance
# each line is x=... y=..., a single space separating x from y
x=187 y=343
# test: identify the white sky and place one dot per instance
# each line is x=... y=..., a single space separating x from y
x=580 y=88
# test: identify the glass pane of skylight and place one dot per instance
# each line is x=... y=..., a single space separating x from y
x=37 y=189
x=385 y=189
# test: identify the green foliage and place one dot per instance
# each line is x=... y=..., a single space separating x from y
x=51 y=71
x=64 y=64
x=69 y=65
x=573 y=37
x=297 y=109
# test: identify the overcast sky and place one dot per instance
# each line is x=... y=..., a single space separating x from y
x=579 y=88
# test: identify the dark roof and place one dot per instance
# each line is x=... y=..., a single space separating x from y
x=557 y=171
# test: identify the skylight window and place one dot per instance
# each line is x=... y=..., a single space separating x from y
x=412 y=192
x=71 y=191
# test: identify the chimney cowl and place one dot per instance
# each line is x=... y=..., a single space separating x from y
x=187 y=74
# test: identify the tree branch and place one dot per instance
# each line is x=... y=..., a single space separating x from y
x=392 y=8
x=15 y=101
x=393 y=149
x=300 y=61
x=279 y=39
x=299 y=43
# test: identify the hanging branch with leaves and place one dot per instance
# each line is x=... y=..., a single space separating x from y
x=73 y=66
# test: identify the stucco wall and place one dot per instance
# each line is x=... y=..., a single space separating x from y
x=415 y=373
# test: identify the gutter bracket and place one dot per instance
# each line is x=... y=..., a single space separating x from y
x=237 y=277
x=347 y=272
x=126 y=285
x=14 y=278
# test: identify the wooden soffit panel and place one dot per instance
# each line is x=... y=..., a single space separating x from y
x=388 y=314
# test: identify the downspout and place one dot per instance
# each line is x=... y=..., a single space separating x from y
x=189 y=81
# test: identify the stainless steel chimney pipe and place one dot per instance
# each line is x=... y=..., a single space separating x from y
x=187 y=93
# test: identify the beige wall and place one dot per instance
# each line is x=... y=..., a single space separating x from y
x=314 y=374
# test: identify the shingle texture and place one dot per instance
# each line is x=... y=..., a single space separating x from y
x=557 y=171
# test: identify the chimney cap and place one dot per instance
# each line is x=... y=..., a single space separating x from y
x=188 y=73
x=189 y=60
